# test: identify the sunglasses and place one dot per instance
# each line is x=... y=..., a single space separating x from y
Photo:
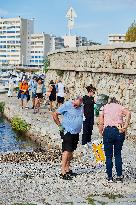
x=92 y=91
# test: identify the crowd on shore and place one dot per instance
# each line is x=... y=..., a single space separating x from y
x=78 y=114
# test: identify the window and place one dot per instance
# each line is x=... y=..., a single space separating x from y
x=10 y=31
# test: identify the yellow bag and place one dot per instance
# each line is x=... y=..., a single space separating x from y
x=98 y=151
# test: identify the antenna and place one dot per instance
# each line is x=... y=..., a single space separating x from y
x=71 y=15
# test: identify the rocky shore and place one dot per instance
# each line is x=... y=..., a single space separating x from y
x=33 y=178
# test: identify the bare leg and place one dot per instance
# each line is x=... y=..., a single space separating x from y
x=33 y=102
x=36 y=102
x=68 y=162
x=51 y=105
x=64 y=161
x=38 y=105
x=22 y=103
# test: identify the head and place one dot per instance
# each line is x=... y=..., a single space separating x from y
x=91 y=90
x=51 y=82
x=34 y=78
x=78 y=101
x=56 y=81
x=113 y=100
x=39 y=81
x=25 y=81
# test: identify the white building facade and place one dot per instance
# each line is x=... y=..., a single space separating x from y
x=56 y=42
x=15 y=41
x=76 y=41
x=40 y=46
x=116 y=38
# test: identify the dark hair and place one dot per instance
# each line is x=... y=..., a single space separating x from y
x=51 y=82
x=90 y=88
x=39 y=79
x=113 y=100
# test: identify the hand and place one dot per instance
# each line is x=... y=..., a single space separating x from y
x=61 y=128
x=122 y=128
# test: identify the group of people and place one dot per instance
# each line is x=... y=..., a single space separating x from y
x=79 y=113
x=35 y=88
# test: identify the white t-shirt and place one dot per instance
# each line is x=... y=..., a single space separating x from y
x=60 y=90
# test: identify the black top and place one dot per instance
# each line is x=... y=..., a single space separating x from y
x=88 y=106
x=53 y=92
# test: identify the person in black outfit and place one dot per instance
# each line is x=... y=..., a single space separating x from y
x=88 y=101
x=52 y=96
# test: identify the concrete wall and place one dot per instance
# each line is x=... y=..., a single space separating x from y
x=111 y=69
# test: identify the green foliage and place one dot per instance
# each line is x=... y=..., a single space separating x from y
x=131 y=33
x=19 y=124
x=16 y=89
x=60 y=73
x=46 y=65
x=2 y=106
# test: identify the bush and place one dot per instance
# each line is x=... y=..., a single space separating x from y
x=16 y=89
x=2 y=106
x=60 y=73
x=19 y=124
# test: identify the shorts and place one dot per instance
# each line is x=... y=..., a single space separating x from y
x=33 y=95
x=60 y=99
x=24 y=96
x=39 y=95
x=69 y=142
x=52 y=97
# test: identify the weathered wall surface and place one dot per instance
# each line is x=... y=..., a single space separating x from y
x=111 y=69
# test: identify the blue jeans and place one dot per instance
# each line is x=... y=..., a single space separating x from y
x=113 y=139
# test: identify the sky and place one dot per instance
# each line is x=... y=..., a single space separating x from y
x=95 y=18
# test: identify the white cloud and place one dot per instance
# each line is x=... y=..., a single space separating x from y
x=3 y=12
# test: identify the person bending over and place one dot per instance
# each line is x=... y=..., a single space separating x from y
x=72 y=112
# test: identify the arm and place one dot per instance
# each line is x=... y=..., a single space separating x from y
x=101 y=123
x=55 y=116
x=126 y=113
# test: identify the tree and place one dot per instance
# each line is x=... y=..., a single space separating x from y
x=46 y=64
x=131 y=33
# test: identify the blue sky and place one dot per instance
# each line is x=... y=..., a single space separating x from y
x=96 y=18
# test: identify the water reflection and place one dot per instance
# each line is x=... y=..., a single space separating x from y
x=12 y=142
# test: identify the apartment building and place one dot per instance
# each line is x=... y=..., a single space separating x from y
x=76 y=41
x=56 y=42
x=15 y=41
x=40 y=46
x=116 y=38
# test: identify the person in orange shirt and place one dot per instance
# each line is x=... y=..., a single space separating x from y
x=24 y=93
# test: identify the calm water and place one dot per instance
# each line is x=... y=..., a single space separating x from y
x=11 y=142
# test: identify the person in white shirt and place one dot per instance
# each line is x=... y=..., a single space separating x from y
x=61 y=93
x=11 y=86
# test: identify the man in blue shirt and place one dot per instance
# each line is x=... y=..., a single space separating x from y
x=70 y=128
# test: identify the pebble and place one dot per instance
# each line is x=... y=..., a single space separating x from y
x=34 y=176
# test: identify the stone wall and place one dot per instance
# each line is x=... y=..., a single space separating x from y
x=111 y=69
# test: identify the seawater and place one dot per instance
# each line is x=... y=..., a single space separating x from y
x=10 y=141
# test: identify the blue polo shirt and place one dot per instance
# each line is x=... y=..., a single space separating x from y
x=72 y=117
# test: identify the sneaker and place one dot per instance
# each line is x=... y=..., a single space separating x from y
x=110 y=179
x=71 y=173
x=65 y=176
x=119 y=178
